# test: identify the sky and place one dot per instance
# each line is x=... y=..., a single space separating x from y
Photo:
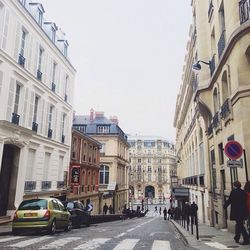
x=129 y=56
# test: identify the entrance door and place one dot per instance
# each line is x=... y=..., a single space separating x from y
x=8 y=178
x=150 y=192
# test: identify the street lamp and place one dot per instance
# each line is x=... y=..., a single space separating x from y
x=197 y=65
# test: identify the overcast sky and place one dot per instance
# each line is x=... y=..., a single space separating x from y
x=128 y=55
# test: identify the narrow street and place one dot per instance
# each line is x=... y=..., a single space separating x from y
x=150 y=232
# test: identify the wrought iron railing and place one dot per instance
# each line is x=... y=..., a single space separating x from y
x=15 y=118
x=21 y=60
x=39 y=75
x=63 y=138
x=50 y=132
x=53 y=87
x=221 y=44
x=225 y=110
x=210 y=130
x=29 y=185
x=46 y=184
x=34 y=126
x=216 y=120
x=65 y=97
x=244 y=9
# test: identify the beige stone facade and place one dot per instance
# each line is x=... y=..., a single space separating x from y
x=213 y=105
x=152 y=163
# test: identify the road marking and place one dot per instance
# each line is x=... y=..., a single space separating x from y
x=92 y=244
x=11 y=238
x=119 y=235
x=127 y=244
x=152 y=234
x=29 y=242
x=60 y=243
x=217 y=245
x=161 y=245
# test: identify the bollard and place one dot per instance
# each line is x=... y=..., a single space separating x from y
x=192 y=223
x=197 y=229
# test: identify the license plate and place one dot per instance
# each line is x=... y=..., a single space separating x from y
x=30 y=214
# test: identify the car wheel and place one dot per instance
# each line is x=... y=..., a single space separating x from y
x=69 y=226
x=52 y=228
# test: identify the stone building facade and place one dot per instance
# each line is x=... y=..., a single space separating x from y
x=218 y=110
x=36 y=94
x=152 y=163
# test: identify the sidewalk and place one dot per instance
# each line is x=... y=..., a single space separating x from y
x=209 y=238
x=5 y=229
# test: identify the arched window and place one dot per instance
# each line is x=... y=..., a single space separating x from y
x=104 y=174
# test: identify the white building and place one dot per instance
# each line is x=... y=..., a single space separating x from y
x=36 y=93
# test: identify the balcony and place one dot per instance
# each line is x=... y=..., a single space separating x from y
x=216 y=121
x=212 y=65
x=21 y=60
x=29 y=185
x=34 y=127
x=50 y=132
x=201 y=181
x=65 y=97
x=15 y=118
x=46 y=184
x=210 y=130
x=39 y=75
x=60 y=184
x=244 y=9
x=225 y=110
x=221 y=44
x=53 y=87
x=63 y=138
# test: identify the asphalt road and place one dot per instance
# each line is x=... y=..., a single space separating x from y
x=150 y=232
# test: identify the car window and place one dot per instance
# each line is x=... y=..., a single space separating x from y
x=60 y=205
x=55 y=205
x=70 y=205
x=81 y=206
x=34 y=204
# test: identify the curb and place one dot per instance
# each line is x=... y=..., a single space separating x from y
x=184 y=239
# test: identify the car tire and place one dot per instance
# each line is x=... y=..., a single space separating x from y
x=69 y=226
x=52 y=228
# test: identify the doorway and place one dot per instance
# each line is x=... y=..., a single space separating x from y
x=8 y=177
x=150 y=192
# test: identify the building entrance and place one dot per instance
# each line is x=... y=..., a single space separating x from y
x=8 y=177
x=150 y=192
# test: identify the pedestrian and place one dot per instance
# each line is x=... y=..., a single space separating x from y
x=186 y=212
x=169 y=213
x=105 y=208
x=156 y=211
x=193 y=213
x=110 y=209
x=247 y=190
x=160 y=210
x=89 y=206
x=238 y=201
x=165 y=213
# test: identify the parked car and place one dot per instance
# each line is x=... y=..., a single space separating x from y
x=79 y=215
x=41 y=214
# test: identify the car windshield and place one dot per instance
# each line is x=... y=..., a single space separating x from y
x=35 y=204
x=70 y=205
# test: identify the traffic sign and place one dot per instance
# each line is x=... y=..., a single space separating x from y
x=234 y=164
x=233 y=150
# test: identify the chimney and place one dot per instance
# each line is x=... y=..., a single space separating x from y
x=114 y=119
x=99 y=114
x=91 y=118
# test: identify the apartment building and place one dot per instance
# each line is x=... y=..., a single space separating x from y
x=36 y=94
x=114 y=161
x=221 y=102
x=152 y=164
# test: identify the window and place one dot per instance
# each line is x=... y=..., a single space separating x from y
x=35 y=109
x=53 y=34
x=55 y=205
x=104 y=174
x=23 y=2
x=102 y=129
x=139 y=160
x=221 y=154
x=24 y=34
x=139 y=168
x=40 y=59
x=102 y=150
x=30 y=165
x=149 y=160
x=46 y=166
x=17 y=97
x=54 y=72
x=50 y=116
x=149 y=169
x=40 y=17
x=63 y=123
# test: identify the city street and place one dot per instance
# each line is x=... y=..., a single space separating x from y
x=150 y=232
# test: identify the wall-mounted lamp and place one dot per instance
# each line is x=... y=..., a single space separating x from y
x=197 y=66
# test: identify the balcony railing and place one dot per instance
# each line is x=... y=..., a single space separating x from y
x=65 y=97
x=221 y=44
x=29 y=185
x=46 y=184
x=60 y=184
x=212 y=65
x=34 y=127
x=216 y=120
x=63 y=138
x=201 y=180
x=39 y=75
x=21 y=60
x=210 y=9
x=50 y=132
x=15 y=118
x=244 y=8
x=53 y=87
x=210 y=130
x=225 y=109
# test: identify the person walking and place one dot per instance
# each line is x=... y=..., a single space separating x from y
x=165 y=213
x=160 y=210
x=105 y=208
x=110 y=209
x=156 y=211
x=89 y=207
x=238 y=201
x=193 y=212
x=247 y=190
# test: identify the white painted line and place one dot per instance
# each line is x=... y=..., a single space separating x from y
x=60 y=243
x=161 y=245
x=11 y=238
x=217 y=245
x=29 y=242
x=119 y=235
x=127 y=244
x=92 y=244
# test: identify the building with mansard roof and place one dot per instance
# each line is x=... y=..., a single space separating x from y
x=36 y=93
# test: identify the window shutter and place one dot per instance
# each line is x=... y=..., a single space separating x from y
x=49 y=71
x=29 y=52
x=17 y=40
x=1 y=82
x=55 y=124
x=47 y=119
x=41 y=115
x=10 y=99
x=5 y=29
x=58 y=80
x=35 y=58
x=44 y=66
x=31 y=110
x=25 y=105
x=61 y=123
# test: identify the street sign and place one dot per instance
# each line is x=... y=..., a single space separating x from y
x=234 y=164
x=180 y=192
x=233 y=150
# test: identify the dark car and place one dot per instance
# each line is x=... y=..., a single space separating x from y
x=78 y=214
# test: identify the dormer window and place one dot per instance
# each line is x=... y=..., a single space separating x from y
x=102 y=129
x=51 y=31
x=53 y=34
x=40 y=17
x=38 y=12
